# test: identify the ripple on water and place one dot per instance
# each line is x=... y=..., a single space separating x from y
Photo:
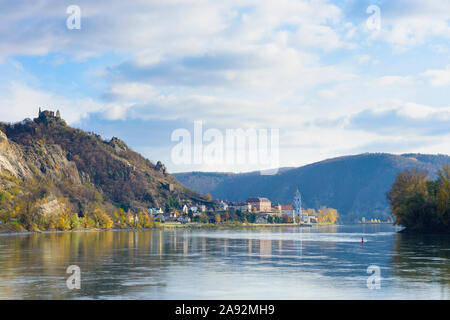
x=311 y=237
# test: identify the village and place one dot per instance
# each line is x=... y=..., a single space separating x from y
x=258 y=210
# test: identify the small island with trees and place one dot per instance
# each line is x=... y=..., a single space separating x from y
x=420 y=204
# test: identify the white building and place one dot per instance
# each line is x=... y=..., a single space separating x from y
x=193 y=209
x=287 y=209
x=241 y=206
x=223 y=205
x=155 y=211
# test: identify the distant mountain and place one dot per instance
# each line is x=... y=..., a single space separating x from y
x=62 y=164
x=355 y=185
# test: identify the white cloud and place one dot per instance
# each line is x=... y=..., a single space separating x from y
x=387 y=81
x=116 y=112
x=320 y=36
x=246 y=50
x=362 y=59
x=154 y=29
x=256 y=63
x=417 y=111
x=401 y=119
x=134 y=92
x=438 y=78
x=409 y=23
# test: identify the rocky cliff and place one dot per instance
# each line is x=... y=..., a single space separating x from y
x=48 y=166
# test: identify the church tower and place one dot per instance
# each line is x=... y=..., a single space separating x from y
x=298 y=206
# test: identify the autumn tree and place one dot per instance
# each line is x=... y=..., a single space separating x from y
x=408 y=197
x=443 y=195
x=327 y=215
x=286 y=218
x=420 y=204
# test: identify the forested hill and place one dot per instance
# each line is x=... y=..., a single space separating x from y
x=82 y=168
x=355 y=185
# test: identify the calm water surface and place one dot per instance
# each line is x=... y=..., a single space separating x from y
x=253 y=263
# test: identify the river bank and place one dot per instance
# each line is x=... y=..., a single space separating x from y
x=5 y=230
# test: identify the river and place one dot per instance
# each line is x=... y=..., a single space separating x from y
x=241 y=263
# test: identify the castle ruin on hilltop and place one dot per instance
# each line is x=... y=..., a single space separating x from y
x=49 y=114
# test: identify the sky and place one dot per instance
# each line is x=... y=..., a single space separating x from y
x=333 y=77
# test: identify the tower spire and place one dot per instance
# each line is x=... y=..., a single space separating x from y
x=298 y=205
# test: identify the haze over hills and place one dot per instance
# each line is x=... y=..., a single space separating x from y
x=45 y=161
x=355 y=185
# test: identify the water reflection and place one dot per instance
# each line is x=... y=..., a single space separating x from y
x=422 y=258
x=279 y=263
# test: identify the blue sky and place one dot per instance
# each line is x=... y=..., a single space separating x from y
x=312 y=69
